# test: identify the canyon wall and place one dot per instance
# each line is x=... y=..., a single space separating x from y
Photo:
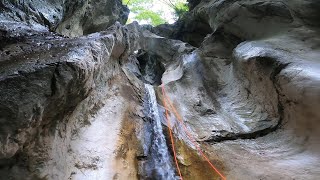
x=243 y=74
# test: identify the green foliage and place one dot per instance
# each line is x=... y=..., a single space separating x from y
x=180 y=8
x=152 y=17
x=141 y=10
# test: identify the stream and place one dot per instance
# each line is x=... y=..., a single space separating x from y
x=159 y=164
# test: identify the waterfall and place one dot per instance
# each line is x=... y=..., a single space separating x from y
x=159 y=165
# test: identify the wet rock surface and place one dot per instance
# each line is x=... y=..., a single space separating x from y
x=248 y=89
x=64 y=86
x=89 y=16
x=232 y=88
x=70 y=18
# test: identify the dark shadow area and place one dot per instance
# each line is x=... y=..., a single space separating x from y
x=150 y=67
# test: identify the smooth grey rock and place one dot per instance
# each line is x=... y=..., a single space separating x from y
x=70 y=18
x=249 y=74
x=89 y=16
x=249 y=92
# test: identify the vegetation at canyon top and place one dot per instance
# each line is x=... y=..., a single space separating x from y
x=155 y=12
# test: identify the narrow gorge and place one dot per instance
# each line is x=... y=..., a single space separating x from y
x=231 y=90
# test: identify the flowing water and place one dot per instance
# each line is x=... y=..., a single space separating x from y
x=159 y=164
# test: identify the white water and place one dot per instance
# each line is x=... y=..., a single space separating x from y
x=161 y=163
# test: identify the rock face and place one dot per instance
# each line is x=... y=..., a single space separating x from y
x=248 y=88
x=53 y=86
x=70 y=18
x=89 y=16
x=248 y=79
